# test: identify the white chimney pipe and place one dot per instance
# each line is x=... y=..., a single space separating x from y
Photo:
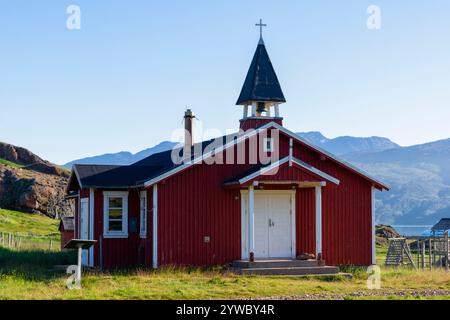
x=188 y=133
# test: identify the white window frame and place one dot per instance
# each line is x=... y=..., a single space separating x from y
x=143 y=214
x=266 y=140
x=115 y=234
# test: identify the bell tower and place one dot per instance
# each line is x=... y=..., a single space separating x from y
x=261 y=93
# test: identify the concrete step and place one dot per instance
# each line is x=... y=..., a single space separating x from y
x=275 y=263
x=290 y=271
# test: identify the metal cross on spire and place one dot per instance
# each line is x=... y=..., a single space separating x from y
x=260 y=25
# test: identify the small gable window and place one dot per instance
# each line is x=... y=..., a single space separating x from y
x=268 y=144
x=115 y=214
x=143 y=215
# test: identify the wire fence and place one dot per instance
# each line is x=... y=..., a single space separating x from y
x=20 y=242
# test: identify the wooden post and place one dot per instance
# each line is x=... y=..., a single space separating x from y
x=418 y=253
x=446 y=249
x=430 y=261
x=50 y=245
x=423 y=254
x=434 y=252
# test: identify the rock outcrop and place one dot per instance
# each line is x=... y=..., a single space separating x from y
x=31 y=184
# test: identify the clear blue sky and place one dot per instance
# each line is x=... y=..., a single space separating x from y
x=123 y=81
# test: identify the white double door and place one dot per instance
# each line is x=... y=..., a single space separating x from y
x=274 y=225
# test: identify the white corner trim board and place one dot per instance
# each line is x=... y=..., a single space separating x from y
x=251 y=219
x=91 y=225
x=318 y=220
x=374 y=256
x=155 y=227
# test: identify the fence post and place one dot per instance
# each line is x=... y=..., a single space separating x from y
x=50 y=245
x=430 y=254
x=423 y=254
x=434 y=252
x=446 y=247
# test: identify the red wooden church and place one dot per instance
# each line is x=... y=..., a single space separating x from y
x=209 y=211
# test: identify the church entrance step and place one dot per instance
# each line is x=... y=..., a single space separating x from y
x=275 y=263
x=288 y=271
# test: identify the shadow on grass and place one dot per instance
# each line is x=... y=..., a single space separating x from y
x=34 y=265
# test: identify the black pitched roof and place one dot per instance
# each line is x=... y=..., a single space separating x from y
x=261 y=83
x=113 y=176
x=442 y=225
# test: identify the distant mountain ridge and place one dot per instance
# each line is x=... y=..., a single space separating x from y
x=347 y=144
x=420 y=180
x=123 y=157
x=338 y=146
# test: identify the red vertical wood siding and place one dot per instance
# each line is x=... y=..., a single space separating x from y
x=253 y=123
x=148 y=241
x=117 y=252
x=194 y=204
x=346 y=211
x=305 y=207
x=66 y=236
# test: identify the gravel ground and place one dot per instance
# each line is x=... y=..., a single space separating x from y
x=374 y=293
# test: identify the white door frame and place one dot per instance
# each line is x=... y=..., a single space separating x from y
x=245 y=230
x=84 y=225
x=91 y=225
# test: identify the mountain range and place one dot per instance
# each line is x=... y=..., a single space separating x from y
x=419 y=175
x=338 y=146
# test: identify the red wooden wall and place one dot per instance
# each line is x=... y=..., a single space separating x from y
x=66 y=236
x=305 y=220
x=194 y=204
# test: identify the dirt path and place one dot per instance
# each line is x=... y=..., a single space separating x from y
x=374 y=293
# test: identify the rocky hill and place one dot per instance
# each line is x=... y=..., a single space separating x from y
x=29 y=183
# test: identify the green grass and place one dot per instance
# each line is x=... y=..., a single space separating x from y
x=29 y=274
x=9 y=163
x=25 y=224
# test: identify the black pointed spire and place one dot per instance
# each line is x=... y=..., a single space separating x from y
x=261 y=83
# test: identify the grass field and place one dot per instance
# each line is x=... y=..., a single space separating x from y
x=9 y=163
x=29 y=274
x=35 y=231
x=27 y=224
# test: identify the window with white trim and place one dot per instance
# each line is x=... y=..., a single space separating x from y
x=143 y=215
x=268 y=145
x=115 y=214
